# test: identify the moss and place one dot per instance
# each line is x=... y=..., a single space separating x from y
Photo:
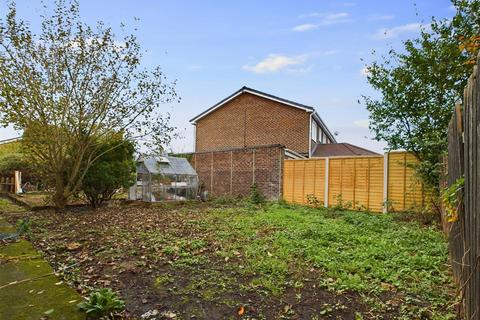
x=162 y=281
x=31 y=299
x=43 y=294
x=8 y=206
x=21 y=248
x=5 y=227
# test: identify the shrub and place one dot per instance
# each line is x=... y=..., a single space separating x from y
x=256 y=196
x=313 y=201
x=101 y=303
x=114 y=169
x=13 y=161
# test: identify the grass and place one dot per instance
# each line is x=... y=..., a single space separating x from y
x=8 y=206
x=276 y=260
x=362 y=252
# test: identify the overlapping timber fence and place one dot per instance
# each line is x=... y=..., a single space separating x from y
x=10 y=182
x=373 y=183
x=464 y=227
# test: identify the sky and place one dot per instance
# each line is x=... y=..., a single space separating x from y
x=302 y=50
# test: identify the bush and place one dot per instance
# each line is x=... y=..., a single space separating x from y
x=256 y=197
x=101 y=303
x=13 y=161
x=115 y=169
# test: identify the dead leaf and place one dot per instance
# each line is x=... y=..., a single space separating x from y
x=73 y=246
x=241 y=311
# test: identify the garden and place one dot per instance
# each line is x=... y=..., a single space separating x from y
x=229 y=259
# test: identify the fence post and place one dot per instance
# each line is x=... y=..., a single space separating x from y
x=18 y=182
x=385 y=182
x=253 y=166
x=325 y=198
x=231 y=172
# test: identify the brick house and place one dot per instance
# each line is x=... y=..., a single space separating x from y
x=249 y=118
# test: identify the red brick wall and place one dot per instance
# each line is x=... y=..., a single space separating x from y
x=250 y=120
x=232 y=172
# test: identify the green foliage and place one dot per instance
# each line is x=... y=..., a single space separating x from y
x=452 y=198
x=256 y=196
x=24 y=226
x=10 y=147
x=113 y=170
x=13 y=161
x=102 y=303
x=420 y=85
x=372 y=254
x=67 y=85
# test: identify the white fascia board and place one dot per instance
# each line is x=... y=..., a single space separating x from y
x=194 y=120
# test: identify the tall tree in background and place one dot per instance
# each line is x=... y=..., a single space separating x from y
x=72 y=87
x=421 y=84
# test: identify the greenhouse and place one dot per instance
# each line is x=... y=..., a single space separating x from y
x=164 y=178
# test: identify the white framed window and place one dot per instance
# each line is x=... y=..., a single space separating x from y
x=314 y=131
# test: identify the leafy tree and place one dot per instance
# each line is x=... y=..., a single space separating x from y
x=13 y=161
x=420 y=85
x=114 y=169
x=73 y=86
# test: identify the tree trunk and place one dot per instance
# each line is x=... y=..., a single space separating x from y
x=60 y=199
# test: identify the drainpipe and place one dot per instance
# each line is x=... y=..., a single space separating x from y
x=310 y=136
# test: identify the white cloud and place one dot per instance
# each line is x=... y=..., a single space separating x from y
x=349 y=4
x=334 y=18
x=305 y=27
x=326 y=19
x=276 y=62
x=381 y=17
x=389 y=33
x=363 y=123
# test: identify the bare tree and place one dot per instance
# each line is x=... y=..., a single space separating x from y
x=71 y=87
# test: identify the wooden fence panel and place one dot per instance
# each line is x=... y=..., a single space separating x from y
x=471 y=236
x=357 y=182
x=302 y=178
x=405 y=191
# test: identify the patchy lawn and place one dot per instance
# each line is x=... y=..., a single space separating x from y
x=207 y=261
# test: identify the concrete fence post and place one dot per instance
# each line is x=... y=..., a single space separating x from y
x=385 y=182
x=18 y=182
x=327 y=165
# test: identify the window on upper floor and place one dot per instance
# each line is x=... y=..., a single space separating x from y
x=314 y=131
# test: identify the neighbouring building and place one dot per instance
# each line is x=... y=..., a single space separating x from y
x=340 y=149
x=250 y=118
x=245 y=138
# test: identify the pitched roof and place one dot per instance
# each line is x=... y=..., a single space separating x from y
x=340 y=149
x=254 y=92
x=167 y=165
x=270 y=97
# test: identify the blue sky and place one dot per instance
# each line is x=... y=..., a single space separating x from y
x=307 y=51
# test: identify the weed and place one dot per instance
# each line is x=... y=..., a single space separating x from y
x=313 y=201
x=256 y=197
x=24 y=226
x=102 y=303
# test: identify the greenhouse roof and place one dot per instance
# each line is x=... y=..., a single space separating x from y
x=168 y=165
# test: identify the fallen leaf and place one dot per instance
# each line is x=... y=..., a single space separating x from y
x=241 y=311
x=73 y=246
x=49 y=311
x=58 y=283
